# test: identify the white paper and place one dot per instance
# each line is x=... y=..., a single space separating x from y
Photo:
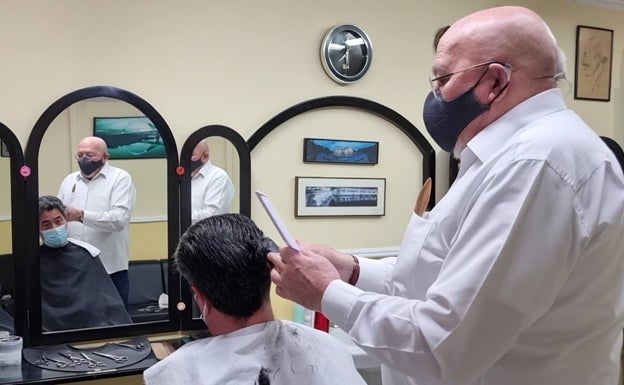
x=277 y=220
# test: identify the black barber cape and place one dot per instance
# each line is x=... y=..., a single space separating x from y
x=6 y=321
x=76 y=291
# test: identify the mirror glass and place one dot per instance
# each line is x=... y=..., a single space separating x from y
x=223 y=158
x=134 y=146
x=7 y=280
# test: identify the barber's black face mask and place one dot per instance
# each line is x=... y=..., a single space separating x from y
x=87 y=167
x=445 y=120
x=196 y=164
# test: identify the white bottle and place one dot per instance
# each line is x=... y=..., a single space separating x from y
x=10 y=349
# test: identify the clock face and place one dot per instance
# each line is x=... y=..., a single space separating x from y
x=346 y=53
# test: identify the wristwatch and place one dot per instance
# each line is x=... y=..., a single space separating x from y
x=81 y=218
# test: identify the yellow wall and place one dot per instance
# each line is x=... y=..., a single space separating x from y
x=5 y=237
x=148 y=240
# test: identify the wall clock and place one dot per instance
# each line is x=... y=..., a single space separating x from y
x=346 y=53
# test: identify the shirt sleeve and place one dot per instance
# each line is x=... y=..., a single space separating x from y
x=375 y=275
x=122 y=199
x=495 y=281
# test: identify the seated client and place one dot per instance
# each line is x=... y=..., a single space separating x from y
x=76 y=291
x=223 y=257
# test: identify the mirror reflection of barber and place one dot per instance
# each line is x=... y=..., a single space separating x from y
x=76 y=291
x=99 y=200
x=212 y=190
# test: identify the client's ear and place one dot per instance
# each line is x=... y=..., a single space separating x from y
x=201 y=299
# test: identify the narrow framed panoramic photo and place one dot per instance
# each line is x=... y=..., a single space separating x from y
x=340 y=151
x=328 y=197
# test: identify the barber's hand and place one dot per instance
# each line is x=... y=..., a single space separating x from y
x=301 y=276
x=73 y=214
x=342 y=262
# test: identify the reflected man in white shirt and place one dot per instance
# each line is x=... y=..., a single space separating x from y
x=99 y=200
x=516 y=276
x=212 y=190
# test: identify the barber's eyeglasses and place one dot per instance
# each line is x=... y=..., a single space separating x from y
x=438 y=82
x=88 y=155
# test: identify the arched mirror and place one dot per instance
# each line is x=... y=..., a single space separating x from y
x=128 y=206
x=209 y=156
x=12 y=290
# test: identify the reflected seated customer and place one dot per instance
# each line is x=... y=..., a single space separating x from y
x=76 y=290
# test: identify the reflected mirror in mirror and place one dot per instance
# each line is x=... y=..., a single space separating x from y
x=99 y=196
x=215 y=182
x=7 y=279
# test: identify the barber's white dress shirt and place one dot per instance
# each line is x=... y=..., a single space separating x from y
x=516 y=277
x=275 y=353
x=212 y=192
x=107 y=201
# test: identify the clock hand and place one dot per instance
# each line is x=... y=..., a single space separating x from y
x=345 y=66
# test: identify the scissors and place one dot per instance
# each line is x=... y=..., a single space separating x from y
x=139 y=346
x=91 y=362
x=117 y=359
x=45 y=360
x=74 y=359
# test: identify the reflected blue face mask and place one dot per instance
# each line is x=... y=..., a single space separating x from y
x=55 y=237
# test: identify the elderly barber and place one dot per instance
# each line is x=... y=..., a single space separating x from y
x=99 y=200
x=516 y=277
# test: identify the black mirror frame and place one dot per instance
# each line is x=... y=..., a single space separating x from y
x=31 y=222
x=425 y=148
x=188 y=323
x=18 y=188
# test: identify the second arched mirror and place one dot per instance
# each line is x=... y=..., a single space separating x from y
x=215 y=178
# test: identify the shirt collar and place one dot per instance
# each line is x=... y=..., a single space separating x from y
x=203 y=170
x=493 y=137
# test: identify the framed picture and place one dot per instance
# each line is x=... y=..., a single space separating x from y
x=129 y=137
x=323 y=197
x=594 y=53
x=4 y=150
x=340 y=151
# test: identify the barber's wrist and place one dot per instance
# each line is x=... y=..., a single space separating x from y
x=355 y=273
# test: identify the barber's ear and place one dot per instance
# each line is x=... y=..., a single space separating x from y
x=498 y=80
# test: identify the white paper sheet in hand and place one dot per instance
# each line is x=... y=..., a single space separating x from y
x=277 y=220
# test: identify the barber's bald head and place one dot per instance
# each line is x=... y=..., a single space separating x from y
x=94 y=144
x=200 y=155
x=508 y=34
x=497 y=57
x=92 y=154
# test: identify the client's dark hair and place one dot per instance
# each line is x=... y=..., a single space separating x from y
x=49 y=203
x=225 y=256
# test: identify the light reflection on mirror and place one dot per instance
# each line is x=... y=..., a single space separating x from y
x=148 y=225
x=7 y=280
x=222 y=154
